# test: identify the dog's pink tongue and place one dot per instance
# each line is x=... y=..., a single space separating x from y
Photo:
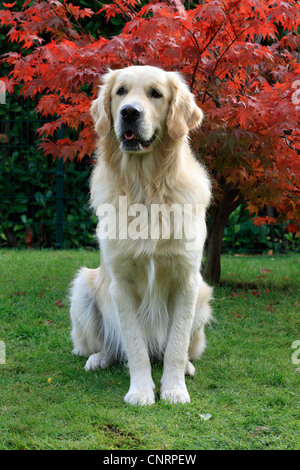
x=129 y=135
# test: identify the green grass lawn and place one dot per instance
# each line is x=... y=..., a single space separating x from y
x=246 y=379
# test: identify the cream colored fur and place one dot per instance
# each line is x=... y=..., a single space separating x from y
x=147 y=299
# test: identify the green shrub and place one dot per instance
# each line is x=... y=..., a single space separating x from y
x=241 y=235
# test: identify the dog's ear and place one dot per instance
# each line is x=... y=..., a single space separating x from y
x=100 y=108
x=184 y=114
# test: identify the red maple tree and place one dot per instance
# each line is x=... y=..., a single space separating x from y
x=241 y=60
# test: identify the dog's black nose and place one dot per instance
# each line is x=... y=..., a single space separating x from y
x=131 y=113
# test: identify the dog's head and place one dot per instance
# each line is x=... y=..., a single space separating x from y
x=141 y=104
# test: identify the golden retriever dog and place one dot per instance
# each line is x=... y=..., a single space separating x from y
x=147 y=300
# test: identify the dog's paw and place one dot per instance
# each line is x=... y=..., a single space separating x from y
x=190 y=369
x=174 y=391
x=140 y=397
x=97 y=361
x=175 y=394
x=77 y=352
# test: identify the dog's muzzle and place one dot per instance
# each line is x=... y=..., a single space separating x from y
x=131 y=139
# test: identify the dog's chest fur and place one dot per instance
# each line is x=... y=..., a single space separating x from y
x=153 y=284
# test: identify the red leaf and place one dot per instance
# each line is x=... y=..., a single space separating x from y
x=256 y=293
x=271 y=307
x=17 y=293
x=9 y=5
x=265 y=271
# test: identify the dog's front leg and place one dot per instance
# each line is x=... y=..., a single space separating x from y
x=141 y=391
x=173 y=387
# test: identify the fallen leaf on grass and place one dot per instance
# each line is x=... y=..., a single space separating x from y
x=238 y=315
x=205 y=416
x=17 y=293
x=256 y=293
x=237 y=295
x=59 y=304
x=47 y=322
x=265 y=271
x=271 y=307
x=258 y=431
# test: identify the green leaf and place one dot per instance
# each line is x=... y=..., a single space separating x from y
x=24 y=218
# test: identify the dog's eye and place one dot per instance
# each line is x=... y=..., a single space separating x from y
x=121 y=91
x=155 y=93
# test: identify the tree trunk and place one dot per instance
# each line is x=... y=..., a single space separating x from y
x=218 y=216
x=212 y=267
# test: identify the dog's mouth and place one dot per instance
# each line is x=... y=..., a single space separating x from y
x=132 y=141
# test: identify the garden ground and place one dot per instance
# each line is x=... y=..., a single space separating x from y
x=245 y=394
